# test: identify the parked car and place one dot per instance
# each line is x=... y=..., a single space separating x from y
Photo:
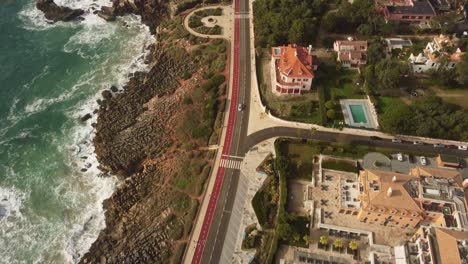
x=240 y=107
x=451 y=147
x=418 y=143
x=423 y=160
x=396 y=140
x=399 y=157
x=462 y=147
x=374 y=138
x=439 y=145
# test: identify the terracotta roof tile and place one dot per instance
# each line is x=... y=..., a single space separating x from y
x=294 y=61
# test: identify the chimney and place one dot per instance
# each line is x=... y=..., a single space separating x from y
x=309 y=50
x=389 y=192
x=465 y=183
x=394 y=179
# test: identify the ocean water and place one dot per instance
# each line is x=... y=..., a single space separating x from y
x=50 y=75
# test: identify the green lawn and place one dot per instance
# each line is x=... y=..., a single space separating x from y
x=344 y=86
x=340 y=165
x=386 y=102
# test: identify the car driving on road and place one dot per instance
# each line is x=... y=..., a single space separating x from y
x=240 y=107
x=396 y=140
x=417 y=143
x=439 y=145
x=462 y=147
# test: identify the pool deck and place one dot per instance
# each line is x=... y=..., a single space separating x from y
x=348 y=118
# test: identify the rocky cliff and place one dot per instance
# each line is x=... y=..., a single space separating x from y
x=54 y=12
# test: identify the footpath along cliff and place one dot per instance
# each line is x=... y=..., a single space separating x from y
x=152 y=136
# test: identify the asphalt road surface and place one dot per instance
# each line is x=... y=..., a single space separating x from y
x=211 y=240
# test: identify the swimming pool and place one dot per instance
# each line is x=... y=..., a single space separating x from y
x=358 y=114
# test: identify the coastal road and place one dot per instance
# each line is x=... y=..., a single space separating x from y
x=221 y=200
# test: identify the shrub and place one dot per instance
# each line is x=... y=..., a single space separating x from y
x=186 y=75
x=187 y=100
x=331 y=114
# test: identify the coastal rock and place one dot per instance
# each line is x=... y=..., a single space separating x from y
x=114 y=89
x=86 y=117
x=106 y=94
x=131 y=130
x=107 y=13
x=54 y=12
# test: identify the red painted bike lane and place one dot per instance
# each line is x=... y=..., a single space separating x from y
x=226 y=147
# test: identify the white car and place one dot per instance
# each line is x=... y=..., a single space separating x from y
x=423 y=160
x=462 y=147
x=418 y=143
x=240 y=107
x=396 y=140
x=399 y=157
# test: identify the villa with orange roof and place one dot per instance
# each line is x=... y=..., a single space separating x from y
x=292 y=69
x=430 y=58
x=351 y=54
x=425 y=196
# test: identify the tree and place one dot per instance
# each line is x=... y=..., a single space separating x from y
x=296 y=32
x=323 y=240
x=330 y=104
x=306 y=239
x=388 y=73
x=338 y=244
x=375 y=51
x=299 y=164
x=353 y=245
x=461 y=69
x=331 y=114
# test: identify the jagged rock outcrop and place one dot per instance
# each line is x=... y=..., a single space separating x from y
x=54 y=12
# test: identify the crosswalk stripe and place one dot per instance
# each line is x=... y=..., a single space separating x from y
x=230 y=163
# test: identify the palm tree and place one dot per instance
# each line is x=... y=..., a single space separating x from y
x=296 y=237
x=337 y=244
x=323 y=240
x=306 y=239
x=353 y=245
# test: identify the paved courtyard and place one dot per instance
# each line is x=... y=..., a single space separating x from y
x=328 y=191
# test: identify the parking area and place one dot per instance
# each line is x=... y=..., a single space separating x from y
x=378 y=161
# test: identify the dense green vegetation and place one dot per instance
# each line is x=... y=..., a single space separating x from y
x=279 y=22
x=428 y=117
x=265 y=202
x=360 y=17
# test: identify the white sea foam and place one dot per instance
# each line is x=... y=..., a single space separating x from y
x=82 y=151
x=85 y=192
x=34 y=20
x=11 y=200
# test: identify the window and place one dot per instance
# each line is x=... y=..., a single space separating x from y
x=428 y=17
x=378 y=215
x=305 y=80
x=405 y=17
x=420 y=17
x=433 y=64
x=413 y=17
x=294 y=80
